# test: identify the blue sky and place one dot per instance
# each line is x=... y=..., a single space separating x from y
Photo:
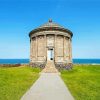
x=19 y=17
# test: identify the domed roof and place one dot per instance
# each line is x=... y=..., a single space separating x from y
x=51 y=25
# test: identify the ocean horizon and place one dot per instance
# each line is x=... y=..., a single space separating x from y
x=25 y=61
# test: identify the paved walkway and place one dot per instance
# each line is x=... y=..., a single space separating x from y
x=48 y=87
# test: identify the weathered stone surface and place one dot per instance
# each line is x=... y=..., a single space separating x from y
x=61 y=66
x=54 y=38
x=40 y=65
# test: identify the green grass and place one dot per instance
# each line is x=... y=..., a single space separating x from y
x=15 y=81
x=83 y=82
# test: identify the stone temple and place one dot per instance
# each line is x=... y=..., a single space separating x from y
x=50 y=42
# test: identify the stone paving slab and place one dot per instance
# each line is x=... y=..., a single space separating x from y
x=48 y=87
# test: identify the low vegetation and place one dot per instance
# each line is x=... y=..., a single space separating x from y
x=83 y=81
x=15 y=81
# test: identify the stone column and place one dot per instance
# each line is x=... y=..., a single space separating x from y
x=31 y=49
x=36 y=49
x=55 y=55
x=70 y=50
x=64 y=49
x=45 y=41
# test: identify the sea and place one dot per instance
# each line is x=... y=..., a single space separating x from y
x=25 y=61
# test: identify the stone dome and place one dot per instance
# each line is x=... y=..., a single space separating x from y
x=50 y=25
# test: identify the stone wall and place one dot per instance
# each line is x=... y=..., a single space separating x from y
x=66 y=66
x=57 y=40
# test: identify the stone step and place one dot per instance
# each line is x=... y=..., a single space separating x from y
x=50 y=68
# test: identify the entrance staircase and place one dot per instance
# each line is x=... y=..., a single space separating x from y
x=50 y=68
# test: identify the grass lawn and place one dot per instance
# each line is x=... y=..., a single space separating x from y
x=83 y=82
x=15 y=81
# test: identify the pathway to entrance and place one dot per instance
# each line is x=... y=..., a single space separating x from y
x=48 y=87
x=50 y=68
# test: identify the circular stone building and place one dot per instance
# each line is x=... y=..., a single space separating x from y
x=50 y=42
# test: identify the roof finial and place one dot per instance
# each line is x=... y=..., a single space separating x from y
x=50 y=20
